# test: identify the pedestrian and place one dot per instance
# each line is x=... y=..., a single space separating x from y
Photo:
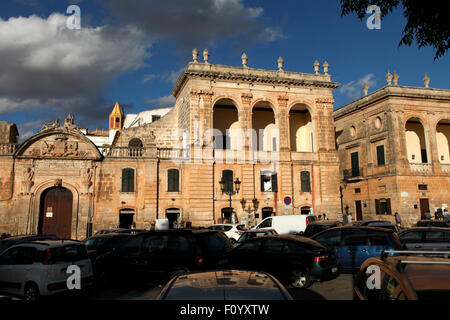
x=436 y=215
x=350 y=218
x=133 y=225
x=398 y=220
x=446 y=216
x=345 y=219
x=320 y=217
x=325 y=216
x=428 y=215
x=152 y=225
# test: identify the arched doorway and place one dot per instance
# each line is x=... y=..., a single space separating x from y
x=55 y=216
x=267 y=212
x=416 y=145
x=305 y=210
x=226 y=214
x=301 y=129
x=265 y=131
x=126 y=218
x=172 y=214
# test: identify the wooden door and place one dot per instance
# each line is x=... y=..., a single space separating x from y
x=358 y=207
x=56 y=212
x=424 y=207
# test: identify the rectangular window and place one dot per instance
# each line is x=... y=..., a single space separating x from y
x=355 y=164
x=305 y=178
x=155 y=118
x=127 y=180
x=423 y=187
x=269 y=181
x=424 y=156
x=227 y=177
x=173 y=180
x=357 y=190
x=381 y=161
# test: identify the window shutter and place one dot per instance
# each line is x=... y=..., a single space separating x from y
x=305 y=178
x=173 y=180
x=388 y=206
x=377 y=206
x=262 y=181
x=380 y=156
x=274 y=182
x=227 y=176
x=355 y=164
x=127 y=180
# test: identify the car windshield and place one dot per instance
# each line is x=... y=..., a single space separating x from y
x=70 y=252
x=213 y=243
x=95 y=243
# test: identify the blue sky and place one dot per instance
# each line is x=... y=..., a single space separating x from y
x=132 y=52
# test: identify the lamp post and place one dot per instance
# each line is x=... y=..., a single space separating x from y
x=249 y=209
x=229 y=191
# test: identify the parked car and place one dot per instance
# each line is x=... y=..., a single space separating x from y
x=132 y=231
x=405 y=277
x=225 y=285
x=233 y=231
x=103 y=243
x=34 y=269
x=353 y=245
x=424 y=238
x=5 y=243
x=289 y=224
x=432 y=223
x=366 y=223
x=250 y=234
x=159 y=255
x=319 y=226
x=294 y=260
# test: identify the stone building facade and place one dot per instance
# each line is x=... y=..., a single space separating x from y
x=271 y=131
x=393 y=146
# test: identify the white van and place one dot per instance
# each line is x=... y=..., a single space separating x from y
x=290 y=224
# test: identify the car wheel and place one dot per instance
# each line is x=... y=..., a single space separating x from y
x=233 y=241
x=300 y=279
x=31 y=292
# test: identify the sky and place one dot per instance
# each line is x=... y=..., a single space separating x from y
x=133 y=51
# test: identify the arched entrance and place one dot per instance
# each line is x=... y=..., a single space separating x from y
x=172 y=214
x=305 y=210
x=226 y=214
x=55 y=215
x=126 y=218
x=267 y=212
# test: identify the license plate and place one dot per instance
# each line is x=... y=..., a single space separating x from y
x=334 y=270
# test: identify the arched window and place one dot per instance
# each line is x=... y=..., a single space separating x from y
x=135 y=143
x=173 y=180
x=127 y=180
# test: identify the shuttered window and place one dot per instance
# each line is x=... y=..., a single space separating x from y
x=127 y=180
x=227 y=177
x=355 y=164
x=305 y=179
x=269 y=181
x=381 y=160
x=173 y=180
x=383 y=206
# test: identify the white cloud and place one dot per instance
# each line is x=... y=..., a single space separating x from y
x=44 y=64
x=354 y=90
x=28 y=129
x=167 y=101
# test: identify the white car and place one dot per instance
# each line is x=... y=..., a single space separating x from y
x=33 y=269
x=232 y=231
x=289 y=224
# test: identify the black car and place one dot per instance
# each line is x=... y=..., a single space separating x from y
x=294 y=260
x=103 y=243
x=225 y=285
x=319 y=226
x=5 y=243
x=160 y=255
x=432 y=223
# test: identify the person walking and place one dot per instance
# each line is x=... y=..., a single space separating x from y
x=428 y=215
x=325 y=216
x=398 y=220
x=446 y=216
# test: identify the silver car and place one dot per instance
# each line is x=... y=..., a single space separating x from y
x=39 y=268
x=426 y=238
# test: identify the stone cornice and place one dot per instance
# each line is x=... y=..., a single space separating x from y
x=250 y=75
x=392 y=91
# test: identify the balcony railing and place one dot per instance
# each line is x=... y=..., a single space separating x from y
x=169 y=153
x=421 y=167
x=8 y=149
x=350 y=174
x=122 y=152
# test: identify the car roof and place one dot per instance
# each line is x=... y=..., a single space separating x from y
x=423 y=277
x=326 y=222
x=258 y=230
x=427 y=229
x=109 y=235
x=227 y=284
x=292 y=237
x=53 y=243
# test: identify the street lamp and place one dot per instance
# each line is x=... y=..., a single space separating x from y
x=229 y=192
x=249 y=209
